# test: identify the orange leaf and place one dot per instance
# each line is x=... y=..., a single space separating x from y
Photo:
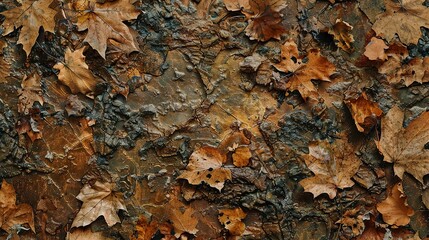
x=376 y=49
x=394 y=208
x=182 y=218
x=231 y=219
x=342 y=35
x=364 y=112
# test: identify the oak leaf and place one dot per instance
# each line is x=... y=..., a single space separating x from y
x=104 y=22
x=182 y=218
x=99 y=200
x=342 y=35
x=205 y=165
x=364 y=112
x=31 y=15
x=394 y=208
x=30 y=93
x=375 y=49
x=264 y=19
x=317 y=67
x=333 y=165
x=404 y=18
x=75 y=74
x=405 y=147
x=12 y=214
x=231 y=219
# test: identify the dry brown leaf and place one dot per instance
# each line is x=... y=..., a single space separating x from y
x=205 y=165
x=4 y=65
x=364 y=112
x=405 y=147
x=31 y=92
x=12 y=214
x=416 y=70
x=264 y=19
x=375 y=50
x=241 y=156
x=394 y=208
x=31 y=15
x=352 y=223
x=316 y=68
x=333 y=165
x=236 y=5
x=105 y=22
x=404 y=18
x=85 y=234
x=75 y=74
x=231 y=219
x=182 y=218
x=32 y=125
x=342 y=35
x=145 y=230
x=99 y=200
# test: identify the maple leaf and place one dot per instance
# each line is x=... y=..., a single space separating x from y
x=145 y=230
x=31 y=92
x=264 y=19
x=364 y=112
x=12 y=214
x=375 y=49
x=342 y=35
x=231 y=219
x=333 y=165
x=99 y=200
x=205 y=165
x=75 y=74
x=105 y=22
x=31 y=15
x=316 y=68
x=394 y=208
x=404 y=18
x=182 y=218
x=405 y=147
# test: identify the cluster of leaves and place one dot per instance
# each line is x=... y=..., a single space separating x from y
x=298 y=71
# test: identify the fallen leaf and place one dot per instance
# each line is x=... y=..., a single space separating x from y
x=405 y=147
x=99 y=200
x=104 y=21
x=352 y=222
x=404 y=18
x=397 y=71
x=4 y=65
x=394 y=208
x=342 y=35
x=205 y=165
x=145 y=230
x=31 y=125
x=317 y=67
x=31 y=15
x=30 y=93
x=375 y=49
x=85 y=234
x=264 y=19
x=231 y=219
x=75 y=74
x=236 y=5
x=364 y=112
x=182 y=218
x=12 y=214
x=241 y=156
x=333 y=165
